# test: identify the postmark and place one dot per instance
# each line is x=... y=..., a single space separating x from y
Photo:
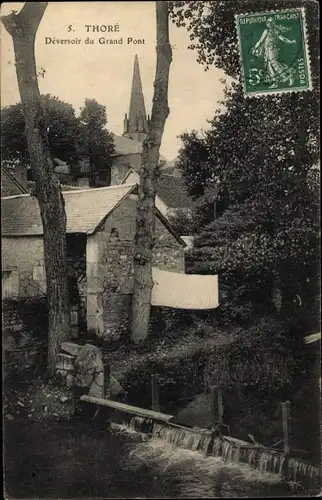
x=274 y=52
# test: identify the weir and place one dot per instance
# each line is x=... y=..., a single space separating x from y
x=229 y=449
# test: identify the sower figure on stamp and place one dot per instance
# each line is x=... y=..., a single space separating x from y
x=267 y=46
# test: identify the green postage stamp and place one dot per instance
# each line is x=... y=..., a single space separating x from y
x=274 y=52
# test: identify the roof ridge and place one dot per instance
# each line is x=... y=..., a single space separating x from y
x=22 y=195
x=76 y=190
x=99 y=189
x=85 y=211
x=72 y=186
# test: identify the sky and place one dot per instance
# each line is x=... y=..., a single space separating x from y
x=104 y=71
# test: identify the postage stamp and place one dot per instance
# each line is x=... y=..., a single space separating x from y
x=273 y=51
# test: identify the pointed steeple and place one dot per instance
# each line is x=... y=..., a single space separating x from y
x=136 y=125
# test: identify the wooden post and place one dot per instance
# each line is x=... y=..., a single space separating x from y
x=286 y=407
x=155 y=393
x=107 y=376
x=217 y=409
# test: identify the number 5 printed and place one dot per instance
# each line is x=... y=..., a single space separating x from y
x=255 y=76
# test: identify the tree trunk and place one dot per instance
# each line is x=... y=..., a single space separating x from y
x=145 y=221
x=23 y=28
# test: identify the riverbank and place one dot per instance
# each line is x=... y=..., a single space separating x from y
x=56 y=447
x=38 y=398
x=178 y=359
x=125 y=360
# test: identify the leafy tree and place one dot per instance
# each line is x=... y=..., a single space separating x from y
x=192 y=153
x=98 y=144
x=63 y=128
x=262 y=153
x=23 y=27
x=13 y=138
x=191 y=222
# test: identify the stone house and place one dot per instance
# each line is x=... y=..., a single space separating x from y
x=100 y=241
x=171 y=194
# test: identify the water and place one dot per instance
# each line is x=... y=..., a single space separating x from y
x=79 y=460
x=231 y=451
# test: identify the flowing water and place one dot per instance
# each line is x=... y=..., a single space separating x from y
x=79 y=460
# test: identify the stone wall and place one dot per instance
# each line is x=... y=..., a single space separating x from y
x=97 y=381
x=10 y=282
x=110 y=268
x=24 y=334
x=81 y=367
x=26 y=255
x=23 y=261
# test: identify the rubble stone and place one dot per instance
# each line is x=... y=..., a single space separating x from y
x=115 y=387
x=70 y=348
x=69 y=380
x=65 y=362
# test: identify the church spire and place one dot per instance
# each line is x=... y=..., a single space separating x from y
x=136 y=125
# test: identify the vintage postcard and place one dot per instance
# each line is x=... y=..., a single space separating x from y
x=160 y=237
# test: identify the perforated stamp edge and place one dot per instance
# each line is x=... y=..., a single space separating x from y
x=306 y=48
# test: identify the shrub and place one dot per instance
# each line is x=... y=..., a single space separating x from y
x=25 y=331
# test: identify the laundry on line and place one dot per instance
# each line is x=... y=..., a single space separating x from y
x=184 y=291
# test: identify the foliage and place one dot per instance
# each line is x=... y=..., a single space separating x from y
x=260 y=357
x=64 y=132
x=166 y=322
x=98 y=144
x=70 y=138
x=24 y=349
x=62 y=125
x=192 y=153
x=190 y=223
x=263 y=156
x=180 y=377
x=182 y=222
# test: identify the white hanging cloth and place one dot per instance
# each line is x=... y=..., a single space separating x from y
x=184 y=291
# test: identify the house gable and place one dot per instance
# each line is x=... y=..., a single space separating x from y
x=133 y=177
x=85 y=210
x=109 y=256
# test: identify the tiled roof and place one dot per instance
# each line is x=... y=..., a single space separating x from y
x=173 y=192
x=17 y=186
x=85 y=209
